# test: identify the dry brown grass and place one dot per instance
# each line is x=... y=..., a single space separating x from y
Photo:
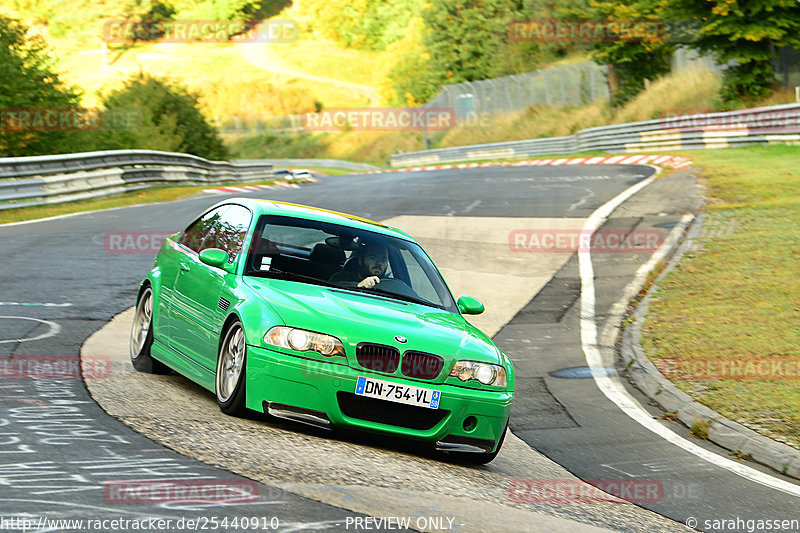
x=685 y=91
x=693 y=90
x=536 y=121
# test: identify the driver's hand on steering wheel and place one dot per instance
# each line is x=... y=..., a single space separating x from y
x=368 y=283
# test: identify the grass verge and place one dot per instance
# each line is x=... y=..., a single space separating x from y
x=734 y=303
x=332 y=171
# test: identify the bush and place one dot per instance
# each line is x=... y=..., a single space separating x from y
x=168 y=118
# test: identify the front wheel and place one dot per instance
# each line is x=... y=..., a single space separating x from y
x=230 y=379
x=142 y=336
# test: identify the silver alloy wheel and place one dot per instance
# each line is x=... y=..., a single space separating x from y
x=142 y=322
x=229 y=365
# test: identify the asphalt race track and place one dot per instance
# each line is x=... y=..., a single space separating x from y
x=62 y=281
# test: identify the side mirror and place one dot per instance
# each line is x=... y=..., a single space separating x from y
x=215 y=257
x=469 y=305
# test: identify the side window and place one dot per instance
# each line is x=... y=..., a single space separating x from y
x=201 y=233
x=229 y=233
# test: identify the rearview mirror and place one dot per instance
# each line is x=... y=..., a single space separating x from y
x=215 y=257
x=470 y=306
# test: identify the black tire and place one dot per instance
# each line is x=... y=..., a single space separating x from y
x=142 y=336
x=481 y=458
x=229 y=379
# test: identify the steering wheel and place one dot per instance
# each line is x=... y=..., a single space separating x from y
x=397 y=286
x=394 y=283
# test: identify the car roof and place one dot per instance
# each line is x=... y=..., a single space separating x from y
x=271 y=207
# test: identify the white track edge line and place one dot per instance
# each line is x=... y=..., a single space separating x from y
x=614 y=391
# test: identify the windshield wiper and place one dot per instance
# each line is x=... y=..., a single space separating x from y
x=403 y=297
x=274 y=273
x=299 y=277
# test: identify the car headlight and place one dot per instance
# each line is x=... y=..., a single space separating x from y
x=486 y=373
x=303 y=341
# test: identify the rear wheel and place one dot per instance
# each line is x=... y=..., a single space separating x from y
x=142 y=336
x=230 y=379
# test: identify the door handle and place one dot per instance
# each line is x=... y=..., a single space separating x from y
x=184 y=267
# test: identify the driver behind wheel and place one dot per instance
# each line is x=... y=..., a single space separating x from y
x=367 y=266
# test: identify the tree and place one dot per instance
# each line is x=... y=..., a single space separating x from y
x=168 y=118
x=412 y=81
x=630 y=61
x=464 y=36
x=744 y=34
x=461 y=41
x=153 y=11
x=30 y=84
x=362 y=24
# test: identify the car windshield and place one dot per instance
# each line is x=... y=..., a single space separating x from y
x=343 y=257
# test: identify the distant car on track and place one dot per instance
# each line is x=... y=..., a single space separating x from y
x=263 y=303
x=301 y=173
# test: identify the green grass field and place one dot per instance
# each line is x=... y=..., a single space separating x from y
x=738 y=298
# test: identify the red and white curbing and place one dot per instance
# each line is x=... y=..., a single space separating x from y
x=669 y=161
x=249 y=188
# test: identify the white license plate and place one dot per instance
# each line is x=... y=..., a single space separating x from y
x=395 y=392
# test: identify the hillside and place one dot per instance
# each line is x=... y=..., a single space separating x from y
x=249 y=81
x=351 y=54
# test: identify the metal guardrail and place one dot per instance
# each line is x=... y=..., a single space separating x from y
x=69 y=177
x=765 y=125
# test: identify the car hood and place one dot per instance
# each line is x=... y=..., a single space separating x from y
x=356 y=317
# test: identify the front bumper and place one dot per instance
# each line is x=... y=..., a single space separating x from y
x=315 y=390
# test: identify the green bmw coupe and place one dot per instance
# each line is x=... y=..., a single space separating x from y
x=322 y=318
